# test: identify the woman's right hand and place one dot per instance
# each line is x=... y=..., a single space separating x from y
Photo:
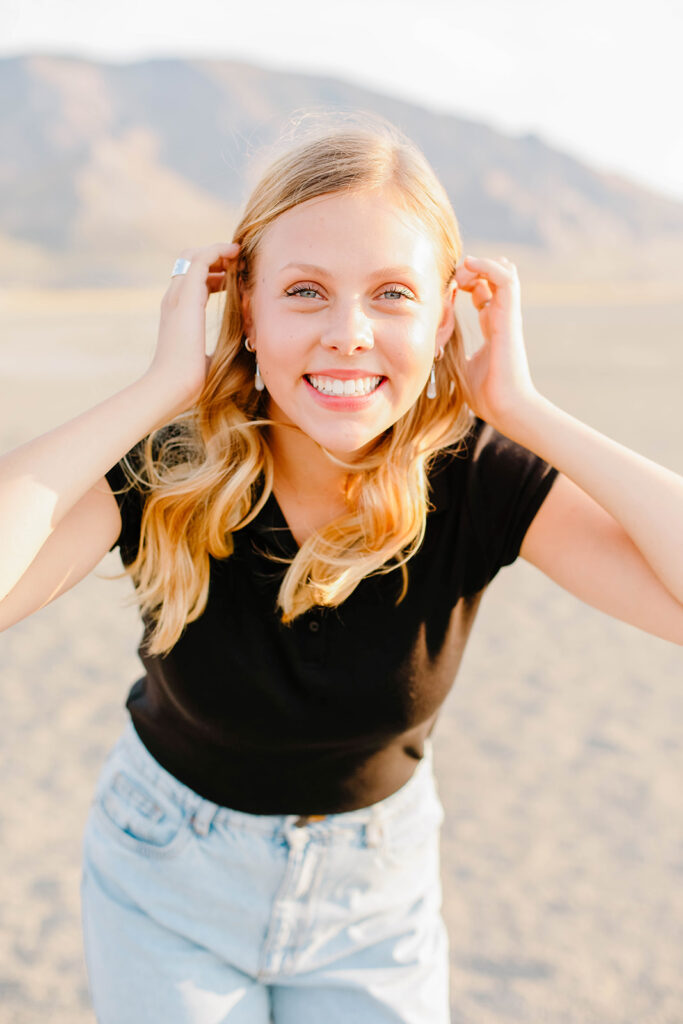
x=180 y=361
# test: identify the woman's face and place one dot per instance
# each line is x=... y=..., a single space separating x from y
x=346 y=312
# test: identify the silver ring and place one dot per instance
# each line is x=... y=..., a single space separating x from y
x=181 y=266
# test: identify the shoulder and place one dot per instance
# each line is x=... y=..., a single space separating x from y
x=483 y=455
x=164 y=449
x=496 y=483
x=453 y=466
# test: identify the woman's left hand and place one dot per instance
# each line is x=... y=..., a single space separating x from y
x=497 y=375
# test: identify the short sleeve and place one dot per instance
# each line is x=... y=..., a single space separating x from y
x=131 y=503
x=506 y=485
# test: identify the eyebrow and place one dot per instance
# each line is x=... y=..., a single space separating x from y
x=311 y=268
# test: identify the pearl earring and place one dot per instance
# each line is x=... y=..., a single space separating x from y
x=431 y=387
x=258 y=379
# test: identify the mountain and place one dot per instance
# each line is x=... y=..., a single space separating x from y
x=107 y=170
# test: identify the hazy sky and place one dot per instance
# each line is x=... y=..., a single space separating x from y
x=600 y=79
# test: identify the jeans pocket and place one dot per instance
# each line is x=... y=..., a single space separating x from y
x=139 y=817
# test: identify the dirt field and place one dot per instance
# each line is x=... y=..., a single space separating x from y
x=559 y=752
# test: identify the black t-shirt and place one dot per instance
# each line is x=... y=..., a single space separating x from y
x=330 y=713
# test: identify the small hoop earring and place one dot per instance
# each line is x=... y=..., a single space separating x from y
x=431 y=387
x=258 y=380
x=249 y=347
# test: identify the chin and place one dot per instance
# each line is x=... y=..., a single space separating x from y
x=345 y=448
x=348 y=440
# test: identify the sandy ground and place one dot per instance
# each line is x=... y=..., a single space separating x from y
x=559 y=752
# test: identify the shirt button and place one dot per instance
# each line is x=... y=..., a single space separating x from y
x=313 y=626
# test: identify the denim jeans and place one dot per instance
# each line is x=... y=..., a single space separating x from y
x=197 y=914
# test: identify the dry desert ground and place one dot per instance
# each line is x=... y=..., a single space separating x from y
x=559 y=752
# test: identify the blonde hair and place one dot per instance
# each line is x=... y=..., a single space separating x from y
x=209 y=472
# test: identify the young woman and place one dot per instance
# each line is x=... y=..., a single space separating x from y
x=310 y=518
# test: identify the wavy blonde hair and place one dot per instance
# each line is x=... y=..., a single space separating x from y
x=209 y=472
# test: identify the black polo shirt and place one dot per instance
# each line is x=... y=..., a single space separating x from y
x=330 y=713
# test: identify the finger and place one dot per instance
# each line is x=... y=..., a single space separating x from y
x=216 y=282
x=481 y=294
x=222 y=262
x=495 y=270
x=467 y=279
x=210 y=253
x=498 y=274
x=209 y=257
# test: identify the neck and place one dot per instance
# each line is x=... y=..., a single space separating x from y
x=309 y=488
x=301 y=467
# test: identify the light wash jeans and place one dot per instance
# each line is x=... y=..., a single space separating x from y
x=198 y=914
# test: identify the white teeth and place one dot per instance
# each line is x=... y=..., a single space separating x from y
x=334 y=386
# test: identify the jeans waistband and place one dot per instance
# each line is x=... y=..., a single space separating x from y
x=205 y=812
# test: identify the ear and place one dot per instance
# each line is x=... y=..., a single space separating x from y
x=447 y=322
x=245 y=299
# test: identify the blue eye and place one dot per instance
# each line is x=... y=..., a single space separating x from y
x=300 y=289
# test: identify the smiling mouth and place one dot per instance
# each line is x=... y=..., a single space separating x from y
x=347 y=388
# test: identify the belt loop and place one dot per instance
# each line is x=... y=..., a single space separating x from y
x=202 y=818
x=374 y=831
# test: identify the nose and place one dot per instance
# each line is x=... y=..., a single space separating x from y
x=349 y=331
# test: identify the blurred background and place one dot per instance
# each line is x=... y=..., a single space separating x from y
x=131 y=132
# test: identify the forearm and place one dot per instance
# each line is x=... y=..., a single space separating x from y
x=646 y=498
x=42 y=480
